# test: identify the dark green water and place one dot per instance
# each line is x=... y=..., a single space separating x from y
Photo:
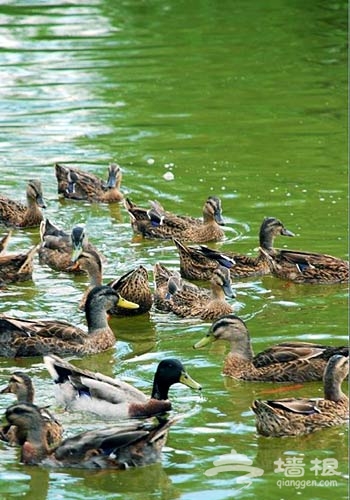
x=245 y=100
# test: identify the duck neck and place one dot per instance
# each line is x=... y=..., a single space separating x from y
x=242 y=348
x=35 y=448
x=25 y=395
x=266 y=240
x=332 y=390
x=95 y=278
x=96 y=318
x=159 y=391
x=217 y=292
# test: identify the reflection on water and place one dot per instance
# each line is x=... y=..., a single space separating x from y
x=240 y=100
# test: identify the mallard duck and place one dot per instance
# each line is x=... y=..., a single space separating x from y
x=5 y=241
x=132 y=285
x=288 y=361
x=20 y=337
x=16 y=267
x=119 y=447
x=76 y=184
x=196 y=302
x=22 y=386
x=57 y=246
x=79 y=389
x=308 y=267
x=13 y=213
x=300 y=416
x=199 y=263
x=158 y=223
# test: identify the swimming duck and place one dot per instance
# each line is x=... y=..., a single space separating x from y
x=14 y=213
x=158 y=223
x=57 y=246
x=300 y=416
x=196 y=302
x=79 y=389
x=308 y=267
x=132 y=285
x=20 y=337
x=76 y=184
x=133 y=444
x=288 y=361
x=22 y=386
x=199 y=263
x=16 y=267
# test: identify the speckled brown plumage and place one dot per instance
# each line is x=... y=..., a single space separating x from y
x=308 y=267
x=300 y=416
x=22 y=386
x=22 y=338
x=14 y=213
x=118 y=447
x=5 y=241
x=75 y=184
x=288 y=361
x=133 y=285
x=199 y=263
x=17 y=267
x=192 y=301
x=159 y=223
x=56 y=247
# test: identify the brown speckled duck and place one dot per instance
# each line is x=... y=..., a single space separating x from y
x=76 y=184
x=199 y=263
x=300 y=416
x=157 y=223
x=16 y=267
x=288 y=361
x=22 y=386
x=133 y=285
x=57 y=246
x=187 y=300
x=83 y=390
x=133 y=444
x=22 y=338
x=308 y=267
x=14 y=213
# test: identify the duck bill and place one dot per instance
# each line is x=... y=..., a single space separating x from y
x=126 y=304
x=208 y=339
x=219 y=219
x=187 y=380
x=111 y=180
x=40 y=202
x=74 y=266
x=286 y=232
x=228 y=291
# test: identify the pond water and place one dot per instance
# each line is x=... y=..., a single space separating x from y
x=243 y=100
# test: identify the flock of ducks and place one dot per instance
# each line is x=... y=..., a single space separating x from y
x=143 y=422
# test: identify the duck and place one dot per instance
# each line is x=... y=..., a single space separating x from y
x=84 y=390
x=284 y=362
x=131 y=444
x=15 y=214
x=22 y=386
x=308 y=267
x=36 y=337
x=199 y=263
x=16 y=267
x=58 y=246
x=195 y=302
x=75 y=184
x=157 y=223
x=302 y=416
x=133 y=285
